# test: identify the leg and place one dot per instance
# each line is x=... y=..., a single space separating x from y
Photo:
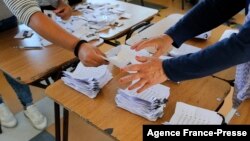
x=22 y=90
x=0 y=128
x=7 y=119
x=65 y=124
x=57 y=121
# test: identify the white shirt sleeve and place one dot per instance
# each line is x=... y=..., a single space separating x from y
x=23 y=9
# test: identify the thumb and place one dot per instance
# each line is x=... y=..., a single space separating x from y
x=142 y=59
x=58 y=10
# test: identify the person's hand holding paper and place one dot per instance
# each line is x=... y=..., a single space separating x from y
x=158 y=45
x=91 y=56
x=63 y=10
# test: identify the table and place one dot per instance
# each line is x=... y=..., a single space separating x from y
x=139 y=14
x=31 y=66
x=103 y=113
x=28 y=66
x=161 y=26
x=243 y=114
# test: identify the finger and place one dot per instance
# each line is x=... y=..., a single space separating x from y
x=143 y=45
x=134 y=67
x=130 y=78
x=146 y=44
x=142 y=59
x=100 y=52
x=90 y=63
x=136 y=44
x=59 y=10
x=138 y=84
x=158 y=53
x=143 y=88
x=99 y=59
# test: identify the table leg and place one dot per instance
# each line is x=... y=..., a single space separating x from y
x=57 y=121
x=142 y=2
x=182 y=4
x=65 y=124
x=0 y=128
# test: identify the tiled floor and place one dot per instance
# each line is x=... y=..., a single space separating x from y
x=84 y=131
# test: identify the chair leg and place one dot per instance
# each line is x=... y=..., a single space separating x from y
x=1 y=128
x=57 y=121
x=65 y=124
x=182 y=4
x=142 y=2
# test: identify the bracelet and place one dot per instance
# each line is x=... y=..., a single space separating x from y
x=77 y=47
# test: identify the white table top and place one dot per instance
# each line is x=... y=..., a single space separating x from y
x=156 y=29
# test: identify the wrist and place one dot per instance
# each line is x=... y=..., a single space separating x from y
x=167 y=38
x=78 y=46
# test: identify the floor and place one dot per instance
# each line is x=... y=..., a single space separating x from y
x=83 y=131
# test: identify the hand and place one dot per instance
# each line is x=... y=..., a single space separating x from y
x=149 y=73
x=91 y=56
x=63 y=10
x=162 y=44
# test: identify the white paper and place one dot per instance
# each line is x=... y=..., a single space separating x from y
x=204 y=36
x=183 y=50
x=123 y=55
x=50 y=14
x=188 y=114
x=24 y=34
x=149 y=104
x=228 y=33
x=88 y=80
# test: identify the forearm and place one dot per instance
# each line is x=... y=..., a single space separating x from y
x=205 y=16
x=227 y=53
x=53 y=32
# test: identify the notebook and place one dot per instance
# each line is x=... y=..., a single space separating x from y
x=192 y=115
x=149 y=104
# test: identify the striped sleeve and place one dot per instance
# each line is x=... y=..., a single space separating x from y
x=23 y=9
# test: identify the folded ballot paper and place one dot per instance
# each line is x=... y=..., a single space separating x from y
x=88 y=80
x=149 y=104
x=123 y=55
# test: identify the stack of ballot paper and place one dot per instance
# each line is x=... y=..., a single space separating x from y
x=123 y=55
x=88 y=80
x=149 y=104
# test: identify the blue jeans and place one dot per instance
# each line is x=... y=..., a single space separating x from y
x=22 y=90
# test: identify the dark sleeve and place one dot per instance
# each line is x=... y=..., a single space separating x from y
x=224 y=54
x=205 y=16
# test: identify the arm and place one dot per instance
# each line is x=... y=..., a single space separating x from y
x=29 y=13
x=224 y=54
x=206 y=15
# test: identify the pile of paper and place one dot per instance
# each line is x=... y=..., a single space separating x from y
x=88 y=80
x=94 y=18
x=149 y=104
x=102 y=15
